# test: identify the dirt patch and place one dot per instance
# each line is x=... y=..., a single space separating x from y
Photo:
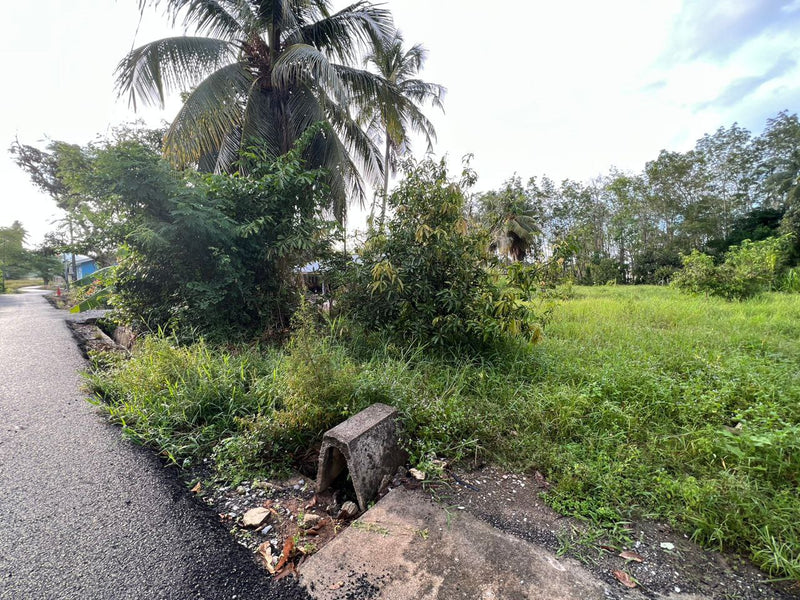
x=670 y=562
x=296 y=513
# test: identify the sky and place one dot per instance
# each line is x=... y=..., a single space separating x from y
x=564 y=89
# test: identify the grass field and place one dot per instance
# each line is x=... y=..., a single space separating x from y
x=13 y=285
x=640 y=402
x=675 y=407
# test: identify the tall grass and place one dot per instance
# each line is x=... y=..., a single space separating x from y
x=640 y=402
x=184 y=399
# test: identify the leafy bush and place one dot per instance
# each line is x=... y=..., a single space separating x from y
x=603 y=270
x=425 y=279
x=699 y=274
x=749 y=269
x=655 y=266
x=216 y=254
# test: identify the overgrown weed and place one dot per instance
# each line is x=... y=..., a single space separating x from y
x=639 y=403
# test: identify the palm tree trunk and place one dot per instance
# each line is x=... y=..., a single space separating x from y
x=385 y=180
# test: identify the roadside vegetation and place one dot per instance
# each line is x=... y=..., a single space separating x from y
x=260 y=323
x=20 y=266
x=639 y=402
x=12 y=286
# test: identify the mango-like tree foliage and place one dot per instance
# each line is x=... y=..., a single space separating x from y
x=425 y=278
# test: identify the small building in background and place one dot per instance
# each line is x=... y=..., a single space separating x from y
x=84 y=265
x=311 y=276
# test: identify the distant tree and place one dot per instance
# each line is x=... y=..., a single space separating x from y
x=43 y=168
x=14 y=262
x=95 y=185
x=44 y=264
x=511 y=218
x=729 y=158
x=391 y=118
x=631 y=227
x=678 y=192
x=780 y=169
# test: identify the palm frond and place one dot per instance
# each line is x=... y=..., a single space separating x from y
x=343 y=33
x=151 y=71
x=358 y=143
x=421 y=91
x=302 y=63
x=216 y=18
x=208 y=115
x=304 y=109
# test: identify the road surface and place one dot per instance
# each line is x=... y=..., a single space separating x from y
x=85 y=514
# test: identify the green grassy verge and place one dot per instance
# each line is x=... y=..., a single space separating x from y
x=13 y=285
x=640 y=402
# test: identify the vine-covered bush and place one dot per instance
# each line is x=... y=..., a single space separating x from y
x=216 y=254
x=748 y=269
x=424 y=278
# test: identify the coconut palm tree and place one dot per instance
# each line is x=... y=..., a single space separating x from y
x=396 y=112
x=265 y=71
x=511 y=219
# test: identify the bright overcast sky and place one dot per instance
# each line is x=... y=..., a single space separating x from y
x=566 y=89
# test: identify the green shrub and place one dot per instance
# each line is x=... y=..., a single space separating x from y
x=603 y=270
x=425 y=278
x=216 y=254
x=698 y=276
x=748 y=269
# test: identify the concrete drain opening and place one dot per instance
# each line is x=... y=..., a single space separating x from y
x=366 y=446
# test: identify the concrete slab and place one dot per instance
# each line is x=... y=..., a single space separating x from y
x=408 y=548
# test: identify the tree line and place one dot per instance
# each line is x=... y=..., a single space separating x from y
x=634 y=227
x=19 y=262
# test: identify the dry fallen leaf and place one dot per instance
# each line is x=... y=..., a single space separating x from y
x=608 y=548
x=288 y=546
x=318 y=527
x=287 y=571
x=311 y=504
x=265 y=552
x=624 y=579
x=628 y=555
x=197 y=488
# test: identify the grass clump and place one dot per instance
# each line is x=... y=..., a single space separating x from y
x=184 y=399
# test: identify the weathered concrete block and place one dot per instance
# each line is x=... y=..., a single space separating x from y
x=367 y=445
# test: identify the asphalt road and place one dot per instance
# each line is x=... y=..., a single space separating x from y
x=85 y=514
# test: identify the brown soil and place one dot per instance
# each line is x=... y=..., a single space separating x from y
x=671 y=563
